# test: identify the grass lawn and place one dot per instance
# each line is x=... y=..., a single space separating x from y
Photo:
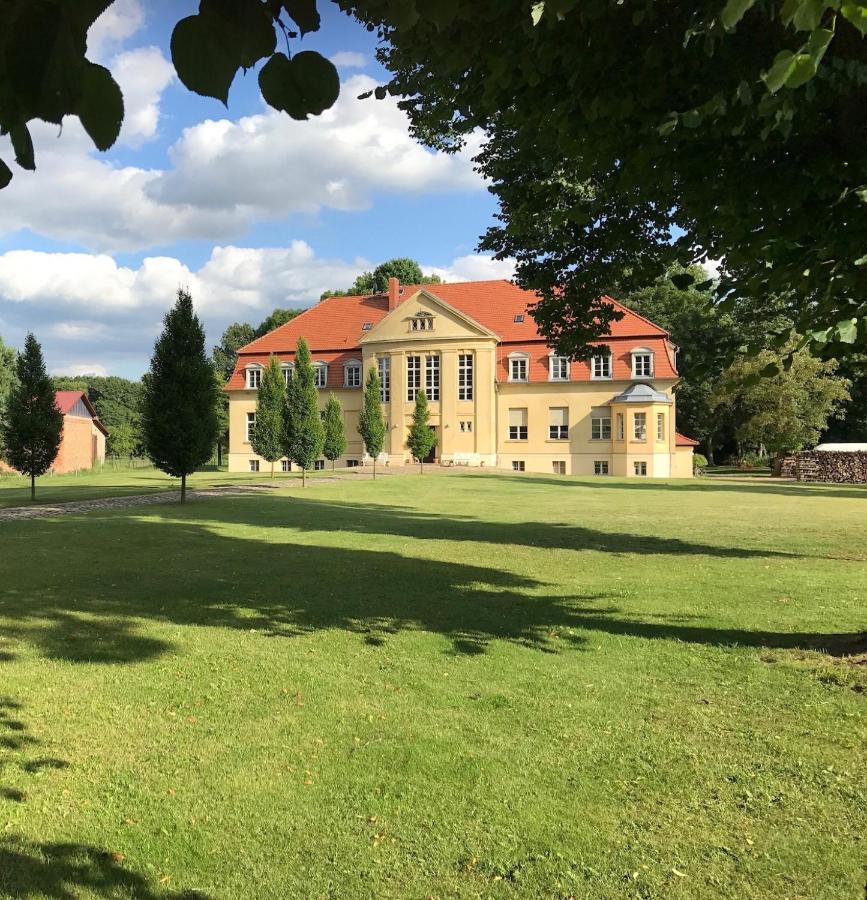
x=15 y=490
x=465 y=686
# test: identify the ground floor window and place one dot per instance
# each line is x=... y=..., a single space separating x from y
x=640 y=468
x=285 y=465
x=351 y=463
x=466 y=426
x=518 y=465
x=600 y=467
x=559 y=467
x=254 y=465
x=318 y=465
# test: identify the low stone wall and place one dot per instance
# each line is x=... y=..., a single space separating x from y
x=839 y=468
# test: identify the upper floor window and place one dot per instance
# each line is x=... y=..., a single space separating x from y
x=352 y=374
x=432 y=377
x=422 y=322
x=465 y=376
x=642 y=363
x=620 y=431
x=519 y=367
x=287 y=371
x=254 y=378
x=518 y=424
x=639 y=426
x=413 y=377
x=383 y=365
x=600 y=366
x=558 y=423
x=558 y=368
x=320 y=374
x=251 y=426
x=660 y=426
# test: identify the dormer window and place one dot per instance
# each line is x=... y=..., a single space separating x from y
x=519 y=318
x=519 y=367
x=254 y=378
x=367 y=326
x=642 y=363
x=558 y=368
x=352 y=374
x=600 y=367
x=320 y=374
x=421 y=322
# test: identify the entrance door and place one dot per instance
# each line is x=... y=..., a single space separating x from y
x=432 y=456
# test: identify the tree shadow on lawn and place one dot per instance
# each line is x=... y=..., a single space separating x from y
x=62 y=871
x=193 y=572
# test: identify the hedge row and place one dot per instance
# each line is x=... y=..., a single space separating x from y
x=840 y=468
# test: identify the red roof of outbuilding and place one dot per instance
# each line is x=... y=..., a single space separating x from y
x=66 y=400
x=681 y=440
x=337 y=324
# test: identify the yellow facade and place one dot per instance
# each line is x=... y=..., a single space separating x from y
x=476 y=432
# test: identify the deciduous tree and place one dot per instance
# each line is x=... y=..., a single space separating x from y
x=33 y=425
x=267 y=437
x=335 y=431
x=422 y=439
x=7 y=379
x=371 y=423
x=406 y=270
x=179 y=405
x=303 y=434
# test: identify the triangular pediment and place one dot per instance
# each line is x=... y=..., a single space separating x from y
x=424 y=317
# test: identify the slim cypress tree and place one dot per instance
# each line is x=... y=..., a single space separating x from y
x=303 y=434
x=179 y=404
x=32 y=425
x=335 y=433
x=267 y=437
x=421 y=438
x=371 y=424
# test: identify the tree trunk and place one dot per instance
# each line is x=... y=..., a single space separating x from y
x=32 y=487
x=332 y=465
x=303 y=476
x=374 y=468
x=420 y=466
x=183 y=488
x=272 y=470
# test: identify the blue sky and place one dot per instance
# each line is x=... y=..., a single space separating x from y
x=247 y=208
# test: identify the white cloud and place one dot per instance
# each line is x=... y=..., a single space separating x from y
x=474 y=268
x=349 y=59
x=81 y=368
x=87 y=307
x=226 y=175
x=120 y=21
x=143 y=74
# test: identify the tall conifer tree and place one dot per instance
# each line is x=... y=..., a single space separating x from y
x=179 y=406
x=33 y=425
x=267 y=437
x=335 y=432
x=421 y=438
x=371 y=424
x=303 y=434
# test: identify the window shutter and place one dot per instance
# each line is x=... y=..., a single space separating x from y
x=558 y=415
x=517 y=417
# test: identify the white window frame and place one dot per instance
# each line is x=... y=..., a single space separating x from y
x=558 y=432
x=383 y=367
x=601 y=429
x=600 y=467
x=660 y=426
x=254 y=465
x=642 y=363
x=556 y=366
x=254 y=378
x=318 y=465
x=519 y=362
x=639 y=426
x=519 y=432
x=352 y=365
x=413 y=377
x=251 y=424
x=432 y=376
x=285 y=465
x=621 y=427
x=601 y=367
x=288 y=370
x=320 y=374
x=466 y=376
x=558 y=466
x=519 y=465
x=421 y=322
x=639 y=468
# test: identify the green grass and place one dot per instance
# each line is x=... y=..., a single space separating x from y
x=464 y=686
x=109 y=482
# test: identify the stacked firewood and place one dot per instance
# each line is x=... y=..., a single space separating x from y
x=839 y=468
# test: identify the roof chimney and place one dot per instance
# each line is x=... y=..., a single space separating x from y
x=393 y=293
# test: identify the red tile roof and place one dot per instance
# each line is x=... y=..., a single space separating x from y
x=681 y=440
x=65 y=401
x=335 y=326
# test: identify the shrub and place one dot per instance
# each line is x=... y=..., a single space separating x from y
x=699 y=461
